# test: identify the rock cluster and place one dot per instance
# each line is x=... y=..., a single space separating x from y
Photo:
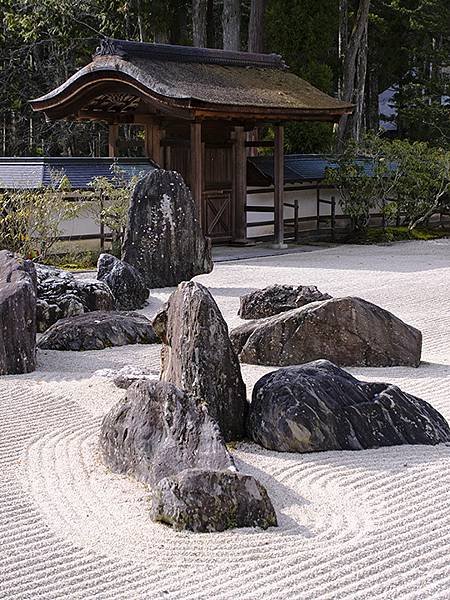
x=198 y=356
x=164 y=437
x=347 y=331
x=62 y=295
x=319 y=406
x=164 y=240
x=98 y=330
x=124 y=281
x=17 y=314
x=277 y=298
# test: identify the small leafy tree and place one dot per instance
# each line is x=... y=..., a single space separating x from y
x=422 y=184
x=109 y=200
x=365 y=179
x=396 y=177
x=31 y=220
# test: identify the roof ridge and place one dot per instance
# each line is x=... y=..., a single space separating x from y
x=127 y=49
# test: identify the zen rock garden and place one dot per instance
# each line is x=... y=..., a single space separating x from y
x=170 y=431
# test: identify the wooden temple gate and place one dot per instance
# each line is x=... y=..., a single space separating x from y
x=197 y=107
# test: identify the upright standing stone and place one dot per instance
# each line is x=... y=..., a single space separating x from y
x=17 y=314
x=198 y=356
x=164 y=240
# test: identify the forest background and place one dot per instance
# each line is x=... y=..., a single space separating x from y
x=352 y=49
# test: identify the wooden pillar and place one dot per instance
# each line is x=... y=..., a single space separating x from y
x=278 y=176
x=113 y=135
x=153 y=142
x=197 y=171
x=239 y=187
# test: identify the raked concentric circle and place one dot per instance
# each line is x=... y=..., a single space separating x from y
x=372 y=525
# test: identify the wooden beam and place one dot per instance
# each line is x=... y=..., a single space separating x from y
x=278 y=173
x=113 y=135
x=152 y=135
x=239 y=187
x=197 y=170
x=259 y=144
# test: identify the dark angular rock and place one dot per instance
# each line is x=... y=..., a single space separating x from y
x=163 y=437
x=164 y=240
x=275 y=299
x=61 y=295
x=197 y=355
x=319 y=406
x=124 y=281
x=97 y=330
x=158 y=431
x=17 y=314
x=347 y=331
x=203 y=501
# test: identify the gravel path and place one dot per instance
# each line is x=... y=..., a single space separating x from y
x=373 y=524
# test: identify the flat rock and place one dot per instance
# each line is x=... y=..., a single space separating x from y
x=197 y=355
x=163 y=437
x=124 y=281
x=60 y=295
x=347 y=331
x=275 y=299
x=164 y=240
x=97 y=330
x=319 y=406
x=204 y=501
x=17 y=314
x=126 y=375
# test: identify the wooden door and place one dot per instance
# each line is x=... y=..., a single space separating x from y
x=218 y=211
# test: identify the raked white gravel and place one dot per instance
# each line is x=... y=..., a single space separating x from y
x=373 y=524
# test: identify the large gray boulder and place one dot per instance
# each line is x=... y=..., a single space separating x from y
x=98 y=330
x=347 y=331
x=124 y=281
x=163 y=437
x=275 y=299
x=60 y=295
x=158 y=431
x=197 y=355
x=204 y=501
x=17 y=314
x=319 y=406
x=163 y=239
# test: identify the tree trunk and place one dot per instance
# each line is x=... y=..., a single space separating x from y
x=372 y=103
x=231 y=24
x=212 y=35
x=342 y=39
x=199 y=22
x=358 y=124
x=256 y=26
x=351 y=76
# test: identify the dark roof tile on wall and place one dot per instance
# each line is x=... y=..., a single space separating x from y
x=35 y=172
x=298 y=168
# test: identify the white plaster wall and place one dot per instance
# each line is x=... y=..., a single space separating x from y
x=307 y=208
x=84 y=224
